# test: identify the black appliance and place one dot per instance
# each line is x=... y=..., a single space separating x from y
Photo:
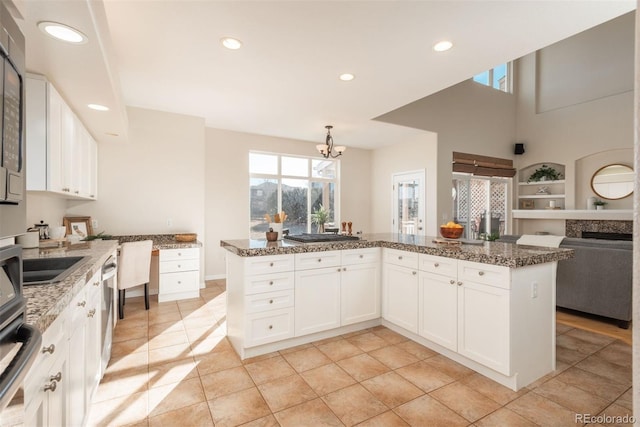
x=109 y=273
x=19 y=342
x=12 y=119
x=317 y=238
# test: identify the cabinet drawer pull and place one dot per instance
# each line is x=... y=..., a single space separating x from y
x=453 y=282
x=436 y=265
x=49 y=349
x=91 y=312
x=319 y=259
x=344 y=268
x=414 y=272
x=179 y=253
x=270 y=326
x=339 y=270
x=271 y=283
x=270 y=301
x=96 y=283
x=82 y=304
x=361 y=256
x=400 y=257
x=179 y=282
x=51 y=386
x=271 y=264
x=459 y=283
x=480 y=273
x=57 y=377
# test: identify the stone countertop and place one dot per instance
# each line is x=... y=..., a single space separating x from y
x=496 y=253
x=160 y=241
x=46 y=302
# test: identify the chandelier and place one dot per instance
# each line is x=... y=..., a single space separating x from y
x=327 y=149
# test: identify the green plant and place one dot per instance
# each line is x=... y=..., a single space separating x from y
x=599 y=203
x=320 y=215
x=100 y=235
x=544 y=173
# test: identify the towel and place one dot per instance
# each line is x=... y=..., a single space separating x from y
x=547 y=240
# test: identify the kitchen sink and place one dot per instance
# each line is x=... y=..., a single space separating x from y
x=39 y=271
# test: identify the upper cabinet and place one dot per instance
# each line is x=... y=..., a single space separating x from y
x=61 y=154
x=541 y=186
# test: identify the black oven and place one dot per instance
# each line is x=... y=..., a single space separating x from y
x=19 y=342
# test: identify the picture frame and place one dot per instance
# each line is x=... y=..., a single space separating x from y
x=79 y=226
x=527 y=204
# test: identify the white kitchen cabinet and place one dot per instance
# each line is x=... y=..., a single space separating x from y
x=62 y=154
x=46 y=385
x=438 y=303
x=179 y=274
x=77 y=403
x=93 y=335
x=400 y=289
x=360 y=285
x=317 y=300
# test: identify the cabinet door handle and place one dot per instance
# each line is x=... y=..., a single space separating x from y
x=49 y=349
x=480 y=273
x=361 y=256
x=339 y=270
x=96 y=283
x=319 y=259
x=91 y=312
x=270 y=326
x=82 y=304
x=436 y=265
x=51 y=386
x=179 y=282
x=459 y=283
x=179 y=266
x=344 y=268
x=270 y=301
x=414 y=272
x=400 y=257
x=271 y=283
x=453 y=282
x=57 y=377
x=271 y=264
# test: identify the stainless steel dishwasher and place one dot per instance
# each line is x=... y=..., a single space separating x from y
x=109 y=273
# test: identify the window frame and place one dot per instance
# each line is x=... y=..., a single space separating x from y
x=508 y=76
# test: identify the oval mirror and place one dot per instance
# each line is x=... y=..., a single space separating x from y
x=613 y=182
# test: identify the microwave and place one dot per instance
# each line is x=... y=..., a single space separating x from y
x=12 y=132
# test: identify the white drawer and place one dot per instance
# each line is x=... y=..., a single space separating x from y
x=175 y=254
x=269 y=282
x=178 y=282
x=54 y=344
x=360 y=256
x=488 y=274
x=401 y=258
x=270 y=326
x=311 y=260
x=268 y=264
x=258 y=303
x=439 y=265
x=179 y=265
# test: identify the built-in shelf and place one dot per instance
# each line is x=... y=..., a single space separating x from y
x=605 y=214
x=541 y=183
x=541 y=196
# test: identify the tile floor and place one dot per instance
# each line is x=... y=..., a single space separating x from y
x=173 y=366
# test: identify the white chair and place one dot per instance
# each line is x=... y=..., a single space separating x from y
x=134 y=265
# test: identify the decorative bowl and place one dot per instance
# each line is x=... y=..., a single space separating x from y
x=451 y=232
x=186 y=237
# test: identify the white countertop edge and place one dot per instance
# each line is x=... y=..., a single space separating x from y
x=605 y=214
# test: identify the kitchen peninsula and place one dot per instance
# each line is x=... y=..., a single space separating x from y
x=488 y=306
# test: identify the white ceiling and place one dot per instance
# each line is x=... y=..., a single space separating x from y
x=165 y=55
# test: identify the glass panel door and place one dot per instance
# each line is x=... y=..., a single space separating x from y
x=408 y=203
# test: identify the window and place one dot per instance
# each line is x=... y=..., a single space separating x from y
x=499 y=77
x=294 y=184
x=481 y=204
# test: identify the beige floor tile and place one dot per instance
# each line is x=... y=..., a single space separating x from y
x=562 y=328
x=120 y=364
x=312 y=413
x=327 y=340
x=542 y=411
x=572 y=397
x=296 y=348
x=212 y=344
x=449 y=367
x=569 y=356
x=591 y=337
x=122 y=384
x=580 y=345
x=218 y=361
x=122 y=348
x=204 y=320
x=362 y=367
x=125 y=333
x=616 y=415
x=392 y=389
x=161 y=328
x=120 y=411
x=354 y=404
x=268 y=421
x=170 y=353
x=418 y=350
x=424 y=376
x=389 y=336
x=504 y=417
x=626 y=400
x=269 y=369
x=238 y=408
x=386 y=419
x=367 y=342
x=197 y=415
x=260 y=358
x=285 y=392
x=465 y=401
x=327 y=379
x=617 y=352
x=426 y=411
x=172 y=372
x=600 y=366
x=600 y=385
x=175 y=396
x=226 y=382
x=167 y=339
x=156 y=317
x=494 y=391
x=560 y=368
x=306 y=359
x=339 y=349
x=393 y=356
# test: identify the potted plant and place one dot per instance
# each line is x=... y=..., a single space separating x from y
x=545 y=173
x=599 y=204
x=319 y=217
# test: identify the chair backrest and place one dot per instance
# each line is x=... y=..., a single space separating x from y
x=134 y=263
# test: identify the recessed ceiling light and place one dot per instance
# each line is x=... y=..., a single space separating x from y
x=442 y=46
x=347 y=77
x=62 y=32
x=231 y=43
x=98 y=107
